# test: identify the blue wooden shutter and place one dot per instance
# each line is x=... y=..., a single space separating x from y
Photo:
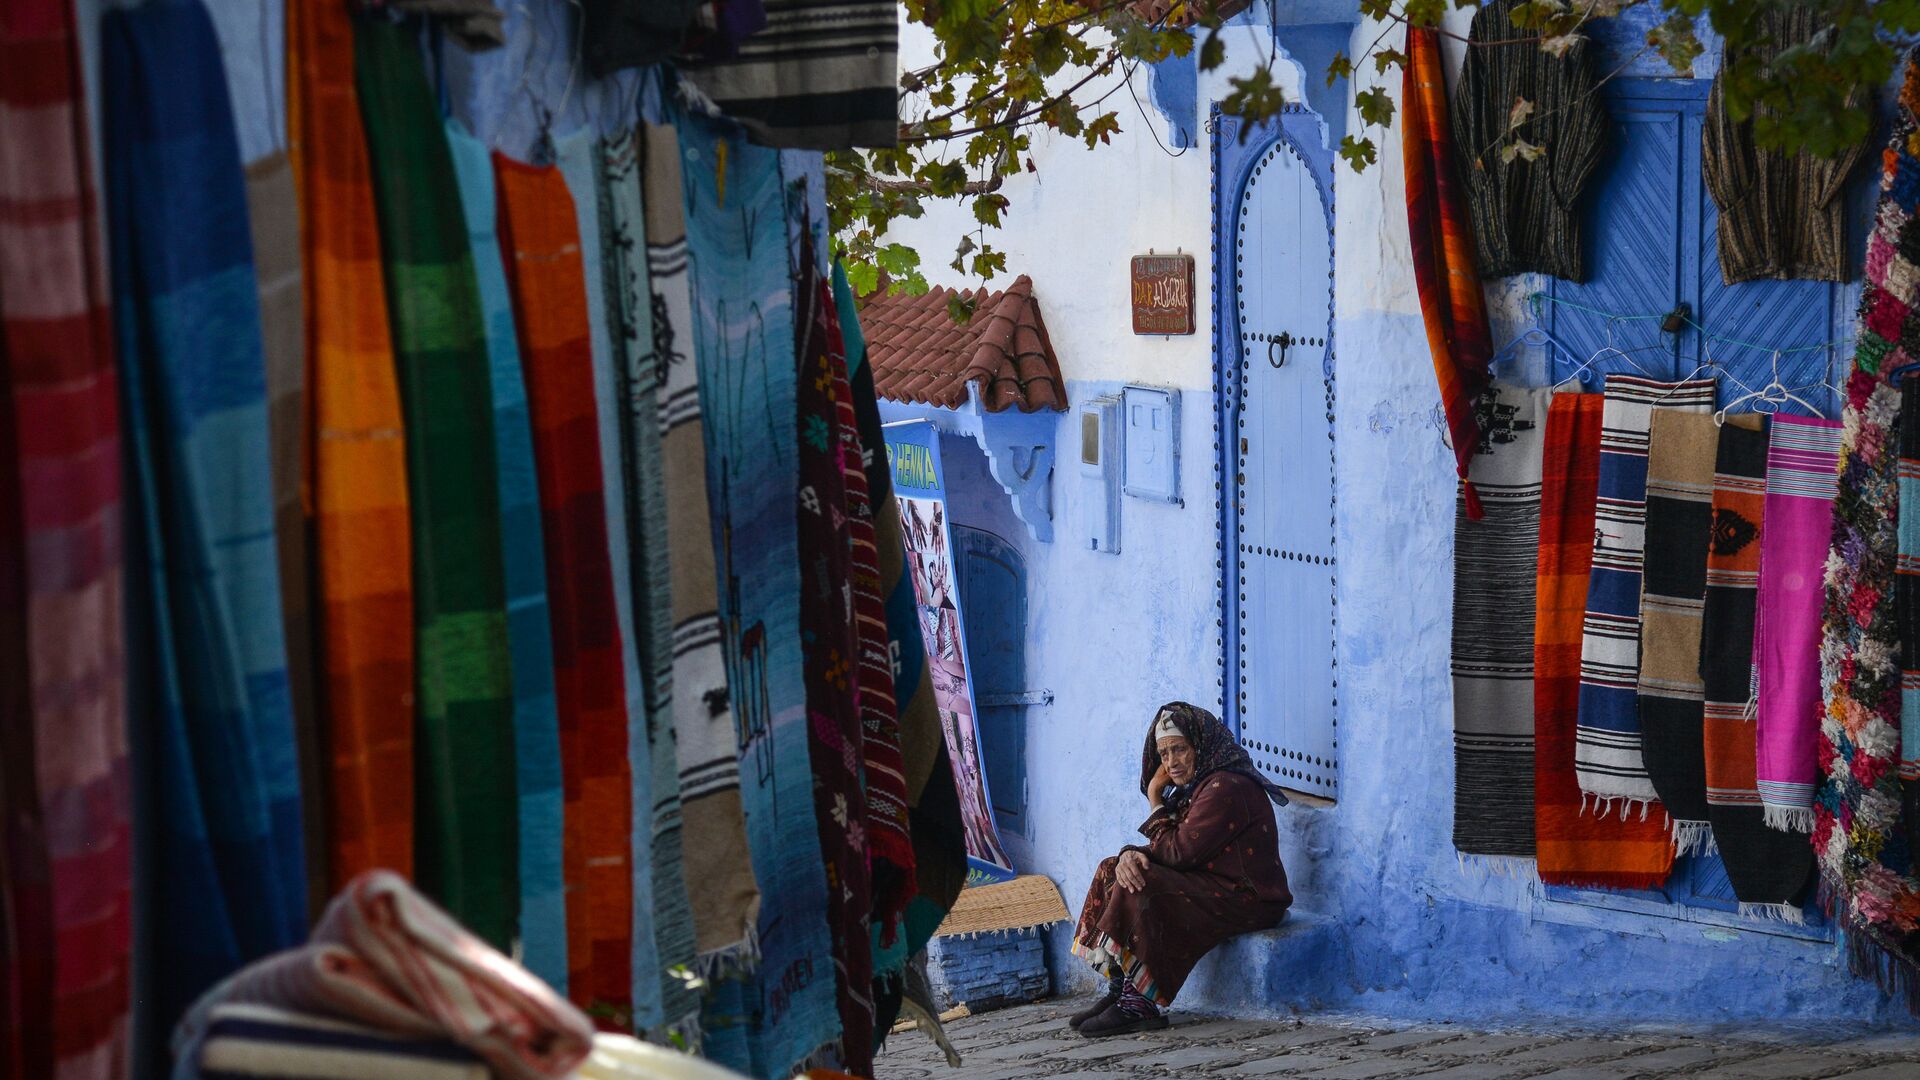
x=992 y=581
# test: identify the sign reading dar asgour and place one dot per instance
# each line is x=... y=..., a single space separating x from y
x=1163 y=294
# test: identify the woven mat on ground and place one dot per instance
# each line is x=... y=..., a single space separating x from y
x=1495 y=562
x=1680 y=458
x=1575 y=847
x=1609 y=757
x=1027 y=901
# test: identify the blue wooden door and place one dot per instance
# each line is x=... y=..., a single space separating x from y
x=1275 y=355
x=1651 y=231
x=992 y=581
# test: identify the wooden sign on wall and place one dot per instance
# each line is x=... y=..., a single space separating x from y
x=1163 y=294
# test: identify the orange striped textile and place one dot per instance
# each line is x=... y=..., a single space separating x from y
x=1575 y=846
x=540 y=240
x=1451 y=301
x=356 y=471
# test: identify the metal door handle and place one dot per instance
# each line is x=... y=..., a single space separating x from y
x=1285 y=341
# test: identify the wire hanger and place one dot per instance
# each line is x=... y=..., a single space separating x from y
x=1603 y=352
x=1774 y=393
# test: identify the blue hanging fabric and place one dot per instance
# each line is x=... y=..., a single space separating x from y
x=210 y=707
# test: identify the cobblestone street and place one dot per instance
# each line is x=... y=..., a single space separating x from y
x=1034 y=1041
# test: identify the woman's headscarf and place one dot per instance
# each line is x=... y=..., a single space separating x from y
x=1214 y=750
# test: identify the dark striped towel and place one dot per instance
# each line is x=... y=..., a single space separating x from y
x=1495 y=560
x=1608 y=757
x=249 y=1041
x=1680 y=460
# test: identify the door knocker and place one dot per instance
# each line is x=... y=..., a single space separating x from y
x=1285 y=341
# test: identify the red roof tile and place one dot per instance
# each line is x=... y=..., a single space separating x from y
x=921 y=356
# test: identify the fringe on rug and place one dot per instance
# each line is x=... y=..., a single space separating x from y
x=1692 y=837
x=1786 y=913
x=1603 y=805
x=735 y=960
x=1516 y=867
x=1895 y=974
x=1788 y=818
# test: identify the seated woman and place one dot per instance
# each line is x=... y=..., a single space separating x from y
x=1210 y=871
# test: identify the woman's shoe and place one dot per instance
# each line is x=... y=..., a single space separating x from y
x=1118 y=1021
x=1106 y=1002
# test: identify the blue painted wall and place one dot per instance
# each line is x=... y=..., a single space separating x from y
x=1389 y=920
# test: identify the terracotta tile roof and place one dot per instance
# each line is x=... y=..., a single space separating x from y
x=921 y=356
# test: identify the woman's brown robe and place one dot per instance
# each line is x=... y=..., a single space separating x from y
x=1213 y=872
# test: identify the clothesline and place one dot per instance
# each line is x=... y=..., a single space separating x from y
x=1534 y=300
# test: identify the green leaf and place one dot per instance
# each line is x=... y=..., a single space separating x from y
x=897 y=259
x=1358 y=153
x=1213 y=52
x=1676 y=42
x=1339 y=68
x=1375 y=106
x=1387 y=58
x=960 y=308
x=862 y=276
x=987 y=208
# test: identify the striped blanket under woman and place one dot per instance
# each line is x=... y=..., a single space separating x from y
x=545 y=275
x=1680 y=462
x=1495 y=564
x=743 y=341
x=273 y=210
x=466 y=826
x=229 y=871
x=1767 y=868
x=1803 y=455
x=536 y=732
x=63 y=743
x=1907 y=608
x=1575 y=848
x=1452 y=303
x=718 y=866
x=1610 y=760
x=357 y=458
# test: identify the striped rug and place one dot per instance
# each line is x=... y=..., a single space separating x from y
x=1803 y=461
x=1906 y=585
x=1495 y=563
x=465 y=825
x=1611 y=763
x=546 y=277
x=356 y=459
x=1768 y=869
x=63 y=744
x=821 y=75
x=1680 y=462
x=227 y=883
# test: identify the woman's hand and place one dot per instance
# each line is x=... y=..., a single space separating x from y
x=1156 y=787
x=1131 y=871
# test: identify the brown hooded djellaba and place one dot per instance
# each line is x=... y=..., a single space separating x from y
x=1213 y=867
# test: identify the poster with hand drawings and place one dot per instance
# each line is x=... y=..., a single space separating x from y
x=913 y=455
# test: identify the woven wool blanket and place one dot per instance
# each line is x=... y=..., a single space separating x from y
x=273 y=211
x=544 y=271
x=830 y=652
x=718 y=866
x=536 y=732
x=1575 y=847
x=1866 y=883
x=386 y=956
x=933 y=802
x=260 y=1042
x=1768 y=869
x=1681 y=450
x=465 y=825
x=821 y=75
x=1611 y=759
x=1907 y=609
x=1495 y=564
x=206 y=644
x=669 y=922
x=356 y=457
x=581 y=162
x=889 y=841
x=743 y=323
x=1802 y=460
x=1452 y=303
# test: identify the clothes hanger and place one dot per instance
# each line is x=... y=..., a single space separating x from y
x=1604 y=352
x=1774 y=393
